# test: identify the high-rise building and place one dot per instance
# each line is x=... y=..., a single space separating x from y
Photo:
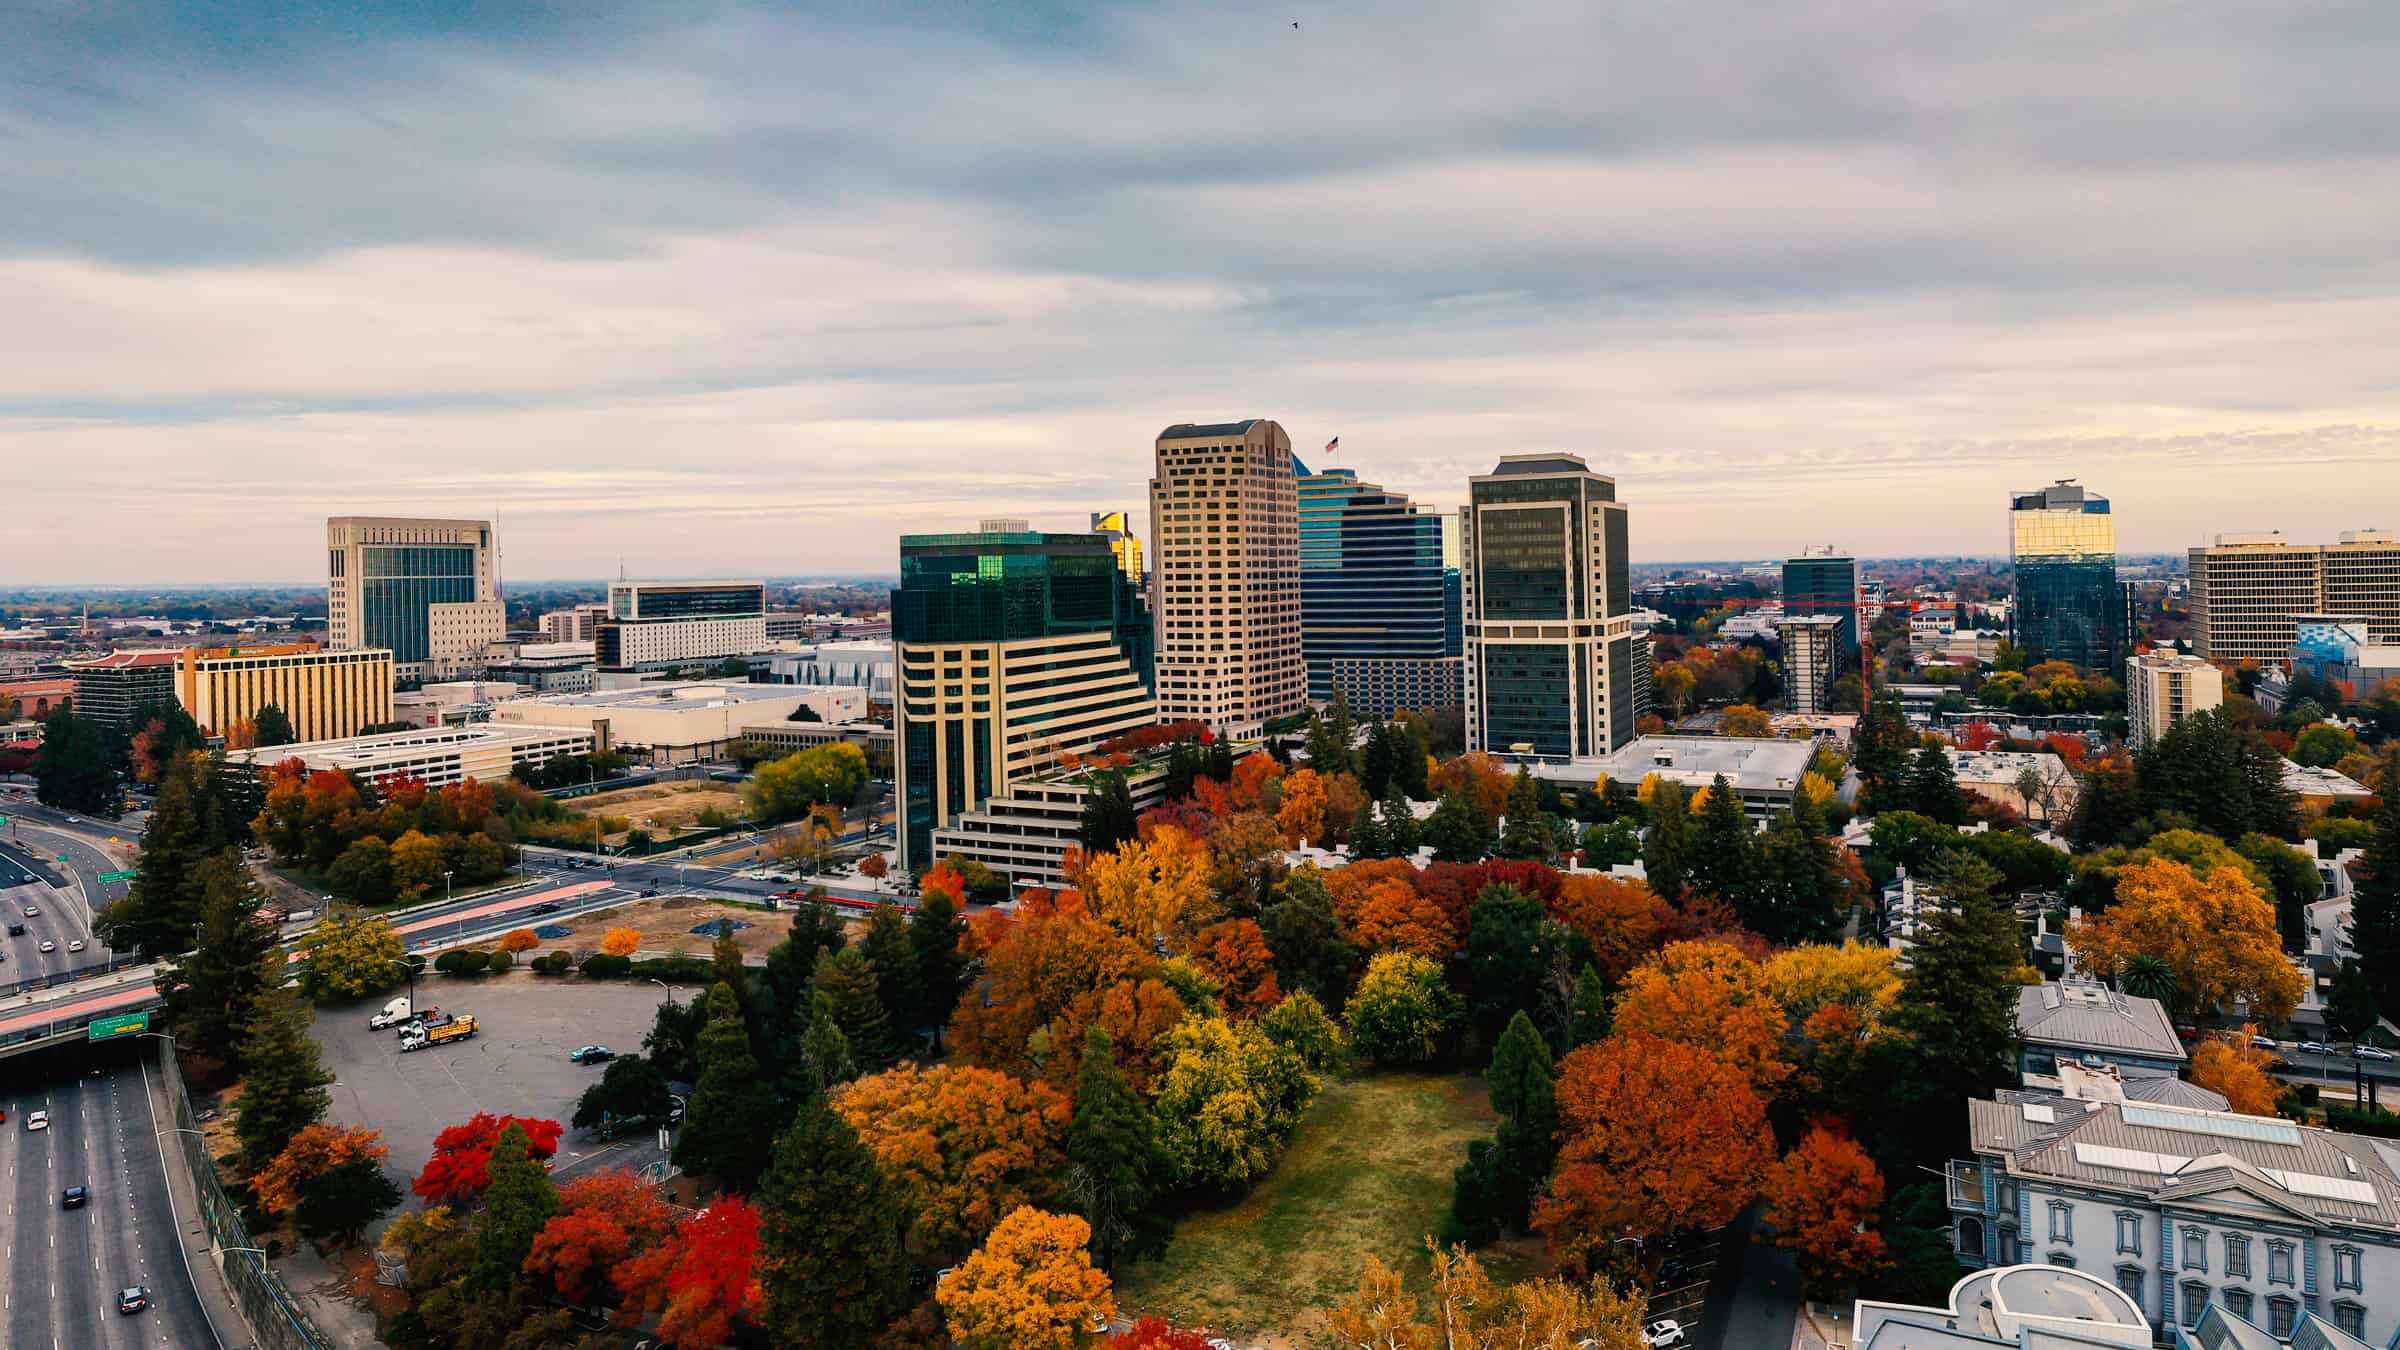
x=1548 y=597
x=2250 y=590
x=1225 y=576
x=327 y=695
x=1117 y=528
x=2164 y=688
x=658 y=625
x=109 y=688
x=1812 y=660
x=2069 y=605
x=426 y=590
x=1013 y=649
x=1823 y=582
x=1377 y=617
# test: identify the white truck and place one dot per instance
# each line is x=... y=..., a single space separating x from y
x=393 y=1014
x=417 y=1035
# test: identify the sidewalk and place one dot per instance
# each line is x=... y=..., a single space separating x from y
x=208 y=1279
x=1821 y=1327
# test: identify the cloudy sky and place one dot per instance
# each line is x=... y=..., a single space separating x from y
x=744 y=289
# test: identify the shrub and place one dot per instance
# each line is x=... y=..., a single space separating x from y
x=678 y=969
x=461 y=963
x=499 y=960
x=553 y=963
x=607 y=966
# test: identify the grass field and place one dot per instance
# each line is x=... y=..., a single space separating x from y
x=1368 y=1175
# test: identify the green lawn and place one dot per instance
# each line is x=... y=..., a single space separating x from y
x=1367 y=1174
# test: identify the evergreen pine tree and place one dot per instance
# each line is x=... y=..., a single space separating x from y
x=1306 y=938
x=1108 y=815
x=848 y=984
x=894 y=958
x=1722 y=861
x=209 y=990
x=1531 y=834
x=283 y=1081
x=77 y=770
x=1667 y=844
x=941 y=965
x=1378 y=762
x=825 y=1057
x=1930 y=787
x=1220 y=760
x=1883 y=743
x=519 y=1201
x=2375 y=905
x=728 y=1127
x=1522 y=1087
x=1183 y=765
x=1459 y=830
x=1116 y=1172
x=829 y=1235
x=161 y=909
x=273 y=727
x=2350 y=1008
x=1590 y=1019
x=1614 y=803
x=1329 y=736
x=1956 y=1012
x=1411 y=761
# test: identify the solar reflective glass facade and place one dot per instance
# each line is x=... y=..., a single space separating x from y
x=2069 y=606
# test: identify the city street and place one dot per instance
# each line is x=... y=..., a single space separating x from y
x=61 y=1269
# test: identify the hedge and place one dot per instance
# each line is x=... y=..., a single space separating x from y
x=461 y=963
x=554 y=963
x=606 y=967
x=2362 y=1120
x=499 y=959
x=678 y=969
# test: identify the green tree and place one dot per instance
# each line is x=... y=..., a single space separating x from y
x=1306 y=938
x=1799 y=893
x=273 y=727
x=1108 y=815
x=77 y=767
x=1531 y=833
x=2148 y=975
x=2350 y=1007
x=729 y=1125
x=1956 y=1012
x=1330 y=737
x=1402 y=1012
x=2323 y=746
x=350 y=955
x=2107 y=805
x=1522 y=1083
x=1613 y=844
x=848 y=983
x=283 y=1081
x=1388 y=831
x=209 y=990
x=941 y=965
x=1459 y=830
x=1930 y=787
x=673 y=1041
x=1588 y=1019
x=1723 y=847
x=520 y=1200
x=630 y=1089
x=1667 y=844
x=338 y=1203
x=1511 y=944
x=363 y=872
x=1884 y=741
x=825 y=1058
x=1301 y=1025
x=829 y=1235
x=2220 y=774
x=2291 y=877
x=893 y=958
x=1380 y=759
x=2375 y=905
x=1116 y=1172
x=161 y=910
x=822 y=775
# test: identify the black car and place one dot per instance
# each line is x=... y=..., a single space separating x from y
x=133 y=1298
x=73 y=1197
x=547 y=907
x=16 y=930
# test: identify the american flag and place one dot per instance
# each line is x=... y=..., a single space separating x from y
x=1334 y=444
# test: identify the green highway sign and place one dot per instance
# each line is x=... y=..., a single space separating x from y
x=123 y=874
x=62 y=857
x=123 y=1024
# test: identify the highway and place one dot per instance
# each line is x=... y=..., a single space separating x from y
x=31 y=872
x=60 y=1269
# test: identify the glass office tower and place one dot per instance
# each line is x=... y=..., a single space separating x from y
x=2069 y=606
x=1548 y=610
x=1821 y=583
x=1378 y=608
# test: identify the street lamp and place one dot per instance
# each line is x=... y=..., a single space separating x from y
x=670 y=992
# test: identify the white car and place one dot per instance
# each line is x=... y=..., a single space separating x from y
x=2372 y=1052
x=37 y=1120
x=48 y=945
x=1662 y=1333
x=75 y=945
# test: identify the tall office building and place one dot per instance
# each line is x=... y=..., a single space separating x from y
x=2250 y=590
x=1117 y=528
x=1812 y=660
x=1225 y=576
x=1548 y=596
x=1823 y=582
x=1377 y=614
x=110 y=688
x=1012 y=648
x=327 y=694
x=2164 y=688
x=2069 y=605
x=658 y=625
x=426 y=590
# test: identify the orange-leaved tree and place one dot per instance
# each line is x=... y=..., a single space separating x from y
x=1465 y=1307
x=1654 y=1135
x=1056 y=962
x=1619 y=916
x=1302 y=815
x=1394 y=916
x=605 y=1219
x=1710 y=994
x=621 y=941
x=313 y=1152
x=2227 y=1064
x=963 y=1146
x=2216 y=932
x=519 y=940
x=1823 y=1201
x=1235 y=951
x=1031 y=1286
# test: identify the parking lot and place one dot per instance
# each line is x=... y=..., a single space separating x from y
x=516 y=1063
x=1680 y=1294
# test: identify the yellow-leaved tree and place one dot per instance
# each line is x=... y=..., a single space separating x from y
x=2216 y=932
x=1817 y=974
x=351 y=954
x=1154 y=886
x=1464 y=1306
x=1031 y=1286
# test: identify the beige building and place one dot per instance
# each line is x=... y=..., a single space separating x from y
x=439 y=757
x=426 y=590
x=1225 y=576
x=673 y=723
x=326 y=694
x=578 y=623
x=2164 y=688
x=1809 y=661
x=2249 y=589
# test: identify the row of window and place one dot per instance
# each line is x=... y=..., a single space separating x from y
x=2348 y=1260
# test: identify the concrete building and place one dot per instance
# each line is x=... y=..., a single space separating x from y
x=1378 y=616
x=326 y=694
x=2084 y=1022
x=1023 y=832
x=2019 y=1307
x=579 y=623
x=2249 y=591
x=1764 y=772
x=678 y=722
x=1811 y=661
x=2187 y=1209
x=2035 y=784
x=865 y=664
x=1823 y=583
x=452 y=703
x=438 y=756
x=1117 y=528
x=2164 y=688
x=1225 y=576
x=669 y=625
x=545 y=667
x=427 y=590
x=1014 y=648
x=109 y=688
x=2069 y=604
x=1549 y=604
x=41 y=695
x=2318 y=789
x=2344 y=653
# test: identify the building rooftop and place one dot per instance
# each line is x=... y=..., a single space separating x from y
x=2086 y=1015
x=2003 y=766
x=1553 y=462
x=2025 y=1306
x=369 y=751
x=1748 y=763
x=667 y=697
x=154 y=656
x=2310 y=782
x=1184 y=431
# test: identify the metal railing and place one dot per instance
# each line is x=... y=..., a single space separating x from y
x=267 y=1305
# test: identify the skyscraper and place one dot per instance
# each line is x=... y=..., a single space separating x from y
x=2249 y=590
x=428 y=590
x=1821 y=582
x=1377 y=617
x=2070 y=606
x=1117 y=528
x=1225 y=576
x=2164 y=688
x=1548 y=596
x=1811 y=660
x=1012 y=648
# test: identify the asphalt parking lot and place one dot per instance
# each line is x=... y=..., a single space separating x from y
x=516 y=1063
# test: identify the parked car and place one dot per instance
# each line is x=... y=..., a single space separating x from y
x=73 y=1197
x=592 y=1054
x=2314 y=1048
x=2373 y=1052
x=1664 y=1332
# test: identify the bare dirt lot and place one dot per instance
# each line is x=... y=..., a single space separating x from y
x=663 y=808
x=666 y=924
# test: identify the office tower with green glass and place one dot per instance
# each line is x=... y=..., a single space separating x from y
x=2069 y=604
x=1548 y=610
x=1014 y=652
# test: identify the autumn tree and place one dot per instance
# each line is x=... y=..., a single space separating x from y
x=702 y=1282
x=460 y=1168
x=2216 y=932
x=1618 y=916
x=961 y=1146
x=621 y=941
x=1824 y=1200
x=1301 y=817
x=1654 y=1135
x=1463 y=1308
x=2227 y=1064
x=604 y=1219
x=1156 y=886
x=312 y=1153
x=1403 y=1011
x=1707 y=993
x=1235 y=951
x=1227 y=1101
x=1116 y=1171
x=1743 y=719
x=352 y=954
x=1856 y=974
x=1031 y=1286
x=1394 y=916
x=830 y=1229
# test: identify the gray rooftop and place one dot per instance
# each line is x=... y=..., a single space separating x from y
x=1184 y=431
x=1539 y=464
x=1750 y=764
x=2085 y=1016
x=2160 y=1088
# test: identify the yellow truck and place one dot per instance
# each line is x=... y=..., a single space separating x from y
x=417 y=1036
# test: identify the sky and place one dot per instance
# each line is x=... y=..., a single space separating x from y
x=738 y=289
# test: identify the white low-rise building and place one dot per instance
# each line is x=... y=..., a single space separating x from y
x=675 y=722
x=439 y=756
x=2028 y=1307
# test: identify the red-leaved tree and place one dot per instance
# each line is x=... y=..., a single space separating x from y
x=604 y=1219
x=1153 y=1333
x=698 y=1282
x=462 y=1155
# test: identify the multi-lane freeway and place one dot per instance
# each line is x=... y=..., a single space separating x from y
x=61 y=1269
x=53 y=862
